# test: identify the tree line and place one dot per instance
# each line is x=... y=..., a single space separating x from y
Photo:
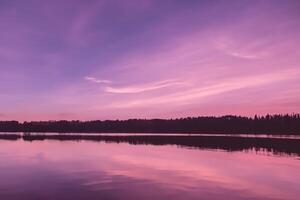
x=268 y=124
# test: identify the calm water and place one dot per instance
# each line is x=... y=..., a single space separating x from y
x=81 y=169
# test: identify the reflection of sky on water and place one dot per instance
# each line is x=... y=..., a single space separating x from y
x=52 y=169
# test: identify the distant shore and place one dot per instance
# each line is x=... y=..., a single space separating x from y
x=269 y=124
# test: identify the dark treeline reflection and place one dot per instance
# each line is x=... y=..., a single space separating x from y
x=269 y=124
x=228 y=143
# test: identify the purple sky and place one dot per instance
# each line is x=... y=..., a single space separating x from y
x=64 y=59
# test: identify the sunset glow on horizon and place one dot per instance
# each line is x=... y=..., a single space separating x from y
x=105 y=59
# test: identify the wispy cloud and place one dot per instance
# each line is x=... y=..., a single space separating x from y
x=242 y=55
x=189 y=96
x=95 y=80
x=249 y=50
x=144 y=87
x=135 y=88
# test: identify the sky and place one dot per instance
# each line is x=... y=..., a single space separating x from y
x=87 y=60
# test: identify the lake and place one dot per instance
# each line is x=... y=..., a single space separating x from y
x=179 y=167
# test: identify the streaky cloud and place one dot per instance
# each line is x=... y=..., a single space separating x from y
x=95 y=80
x=228 y=46
x=144 y=87
x=191 y=95
x=241 y=55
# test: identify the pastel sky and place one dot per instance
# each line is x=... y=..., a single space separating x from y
x=86 y=60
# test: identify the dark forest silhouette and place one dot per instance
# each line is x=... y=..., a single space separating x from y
x=269 y=124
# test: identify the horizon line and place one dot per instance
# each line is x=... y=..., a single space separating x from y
x=177 y=118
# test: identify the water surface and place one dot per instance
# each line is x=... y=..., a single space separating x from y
x=144 y=169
